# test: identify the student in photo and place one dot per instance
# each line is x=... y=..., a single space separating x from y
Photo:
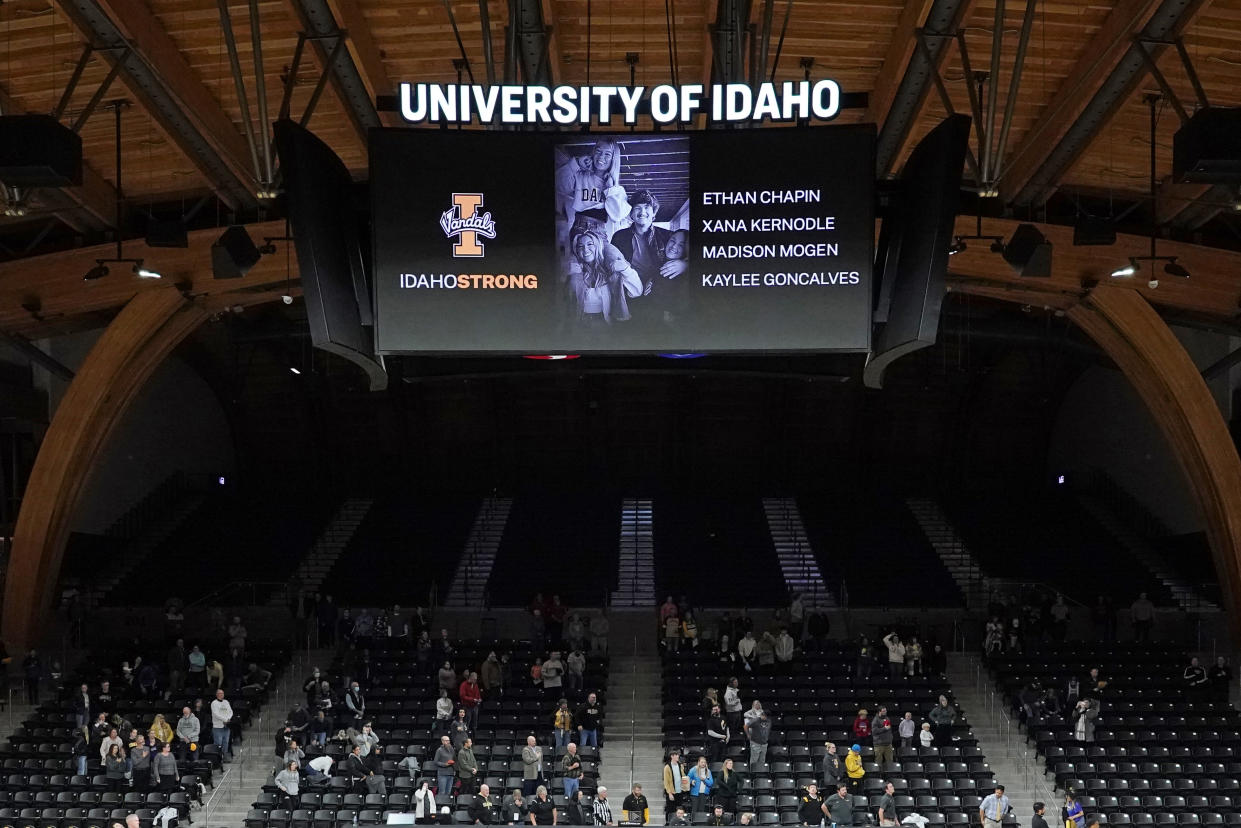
x=600 y=279
x=646 y=247
x=588 y=191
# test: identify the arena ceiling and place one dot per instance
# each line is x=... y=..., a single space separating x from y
x=1077 y=128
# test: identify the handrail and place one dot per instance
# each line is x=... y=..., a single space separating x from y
x=235 y=585
x=633 y=705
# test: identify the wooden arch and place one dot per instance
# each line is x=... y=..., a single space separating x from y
x=1137 y=339
x=150 y=325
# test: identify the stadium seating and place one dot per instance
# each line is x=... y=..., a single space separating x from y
x=814 y=701
x=401 y=703
x=1160 y=755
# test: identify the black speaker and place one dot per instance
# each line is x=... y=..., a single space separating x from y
x=233 y=254
x=39 y=151
x=1028 y=252
x=1208 y=147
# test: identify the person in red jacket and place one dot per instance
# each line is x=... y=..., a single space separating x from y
x=471 y=697
x=861 y=727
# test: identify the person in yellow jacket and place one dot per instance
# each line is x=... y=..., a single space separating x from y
x=161 y=730
x=854 y=769
x=562 y=724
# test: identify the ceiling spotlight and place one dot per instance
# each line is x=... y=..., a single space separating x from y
x=1127 y=270
x=1152 y=284
x=295 y=370
x=956 y=247
x=146 y=273
x=287 y=299
x=1174 y=269
x=97 y=272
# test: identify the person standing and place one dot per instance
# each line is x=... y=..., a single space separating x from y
x=444 y=760
x=881 y=733
x=542 y=808
x=1195 y=679
x=602 y=808
x=531 y=766
x=732 y=705
x=1220 y=679
x=467 y=767
x=483 y=809
x=833 y=769
x=1038 y=821
x=588 y=718
x=887 y=806
x=571 y=770
x=701 y=782
x=810 y=809
x=164 y=770
x=471 y=698
x=896 y=655
x=32 y=669
x=993 y=808
x=728 y=786
x=854 y=769
x=674 y=773
x=840 y=807
x=221 y=721
x=717 y=734
x=942 y=717
x=758 y=731
x=562 y=723
x=1142 y=614
x=908 y=729
x=635 y=806
x=287 y=780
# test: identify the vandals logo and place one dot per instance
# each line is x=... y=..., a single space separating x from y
x=464 y=221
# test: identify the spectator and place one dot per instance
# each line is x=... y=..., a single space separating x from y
x=589 y=716
x=422 y=652
x=1142 y=614
x=444 y=760
x=925 y=737
x=562 y=724
x=599 y=629
x=725 y=652
x=635 y=806
x=666 y=609
x=717 y=816
x=907 y=729
x=294 y=753
x=1195 y=678
x=287 y=780
x=728 y=785
x=810 y=808
x=197 y=668
x=747 y=648
x=840 y=807
x=140 y=764
x=319 y=769
x=221 y=719
x=355 y=703
x=471 y=697
x=993 y=642
x=602 y=808
x=424 y=803
x=483 y=809
x=672 y=632
x=913 y=658
x=833 y=769
x=160 y=729
x=555 y=616
x=576 y=812
x=943 y=716
x=460 y=730
x=881 y=733
x=784 y=647
x=111 y=740
x=467 y=767
x=542 y=808
x=319 y=727
x=114 y=766
x=516 y=809
x=679 y=817
x=1037 y=821
x=674 y=774
x=532 y=766
x=865 y=657
x=571 y=770
x=32 y=669
x=1220 y=679
x=447 y=677
x=896 y=655
x=937 y=662
x=1059 y=619
x=887 y=806
x=689 y=631
x=553 y=673
x=797 y=616
x=1073 y=811
x=758 y=731
x=717 y=734
x=576 y=632
x=538 y=629
x=701 y=783
x=854 y=769
x=1085 y=713
x=311 y=688
x=489 y=673
x=367 y=742
x=104 y=701
x=756 y=710
x=299 y=721
x=765 y=652
x=861 y=726
x=82 y=707
x=443 y=713
x=732 y=705
x=575 y=667
x=993 y=808
x=80 y=749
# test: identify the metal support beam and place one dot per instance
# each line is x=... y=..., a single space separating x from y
x=728 y=41
x=37 y=355
x=316 y=19
x=532 y=41
x=1093 y=95
x=942 y=21
x=1221 y=365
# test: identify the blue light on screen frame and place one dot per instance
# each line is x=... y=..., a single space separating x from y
x=683 y=356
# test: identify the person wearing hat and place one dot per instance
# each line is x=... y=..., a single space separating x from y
x=717 y=816
x=854 y=769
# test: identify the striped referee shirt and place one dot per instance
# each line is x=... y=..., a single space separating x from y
x=603 y=812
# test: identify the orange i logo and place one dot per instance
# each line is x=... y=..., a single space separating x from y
x=466 y=223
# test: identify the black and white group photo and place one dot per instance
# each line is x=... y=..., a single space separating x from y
x=622 y=230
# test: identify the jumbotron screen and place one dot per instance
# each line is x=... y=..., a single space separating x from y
x=732 y=240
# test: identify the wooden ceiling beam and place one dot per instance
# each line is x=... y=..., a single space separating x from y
x=158 y=75
x=896 y=60
x=1103 y=80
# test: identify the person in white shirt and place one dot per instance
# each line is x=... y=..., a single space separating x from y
x=221 y=716
x=108 y=741
x=319 y=768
